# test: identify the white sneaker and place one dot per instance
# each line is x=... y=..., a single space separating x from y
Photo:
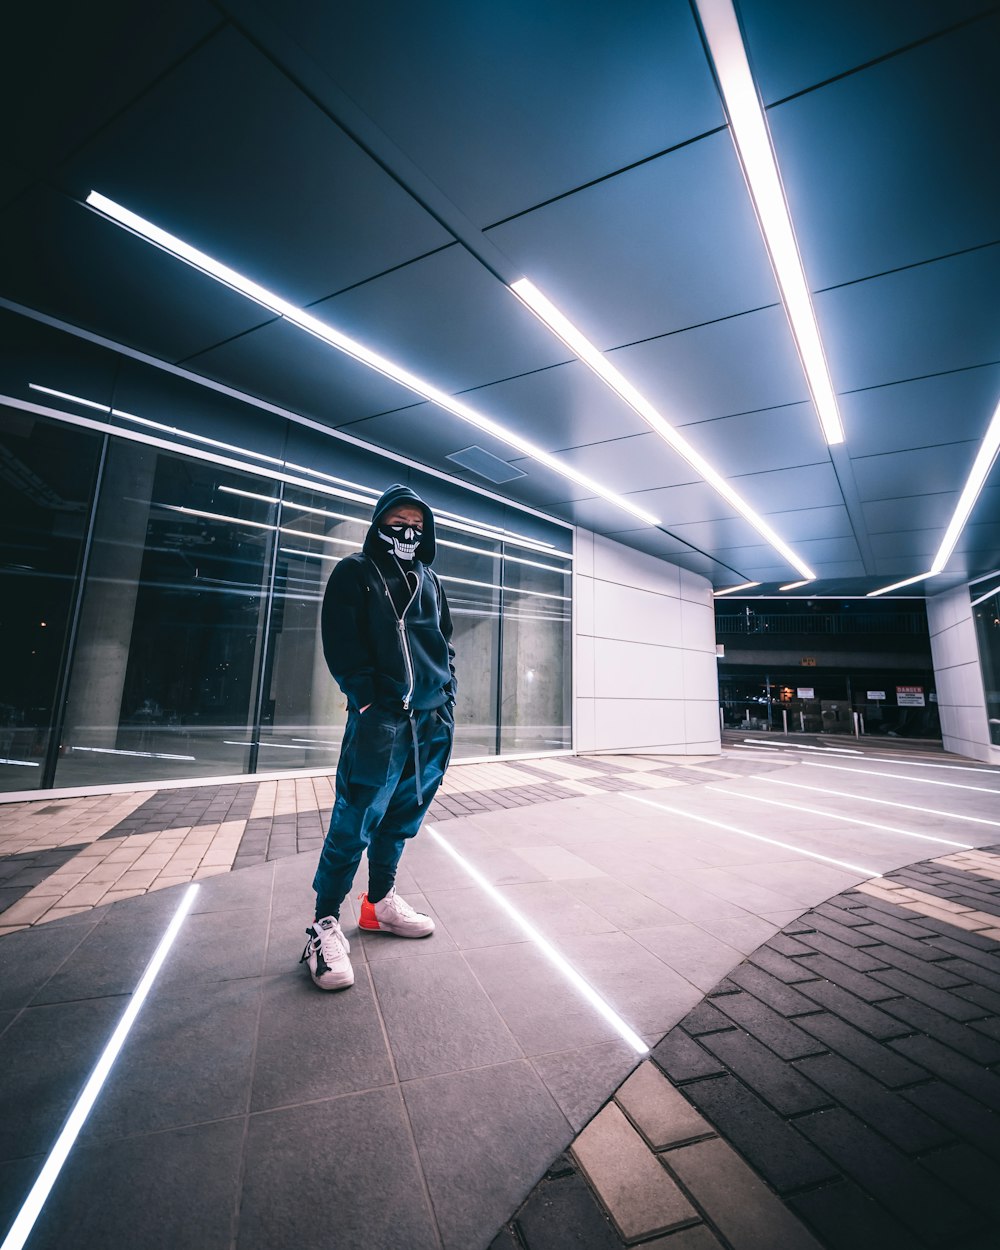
x=327 y=954
x=393 y=914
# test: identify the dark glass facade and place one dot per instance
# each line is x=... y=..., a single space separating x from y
x=164 y=554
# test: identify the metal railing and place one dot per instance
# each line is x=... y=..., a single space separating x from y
x=913 y=624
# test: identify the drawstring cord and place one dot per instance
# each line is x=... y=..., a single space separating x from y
x=416 y=758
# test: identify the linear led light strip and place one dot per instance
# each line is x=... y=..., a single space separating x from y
x=581 y=346
x=548 y=950
x=757 y=837
x=924 y=781
x=867 y=798
x=327 y=334
x=731 y=590
x=20 y=1230
x=748 y=127
x=980 y=471
x=851 y=820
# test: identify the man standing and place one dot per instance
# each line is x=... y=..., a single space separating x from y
x=387 y=641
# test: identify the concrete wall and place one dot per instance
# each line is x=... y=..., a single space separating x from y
x=959 y=676
x=644 y=663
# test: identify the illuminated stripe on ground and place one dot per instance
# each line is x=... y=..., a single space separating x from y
x=853 y=820
x=801 y=746
x=864 y=798
x=962 y=768
x=923 y=781
x=21 y=1228
x=757 y=837
x=545 y=946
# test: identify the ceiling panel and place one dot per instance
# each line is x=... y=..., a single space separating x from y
x=903 y=473
x=918 y=129
x=929 y=319
x=743 y=364
x=887 y=516
x=723 y=533
x=921 y=413
x=814 y=485
x=489 y=100
x=447 y=319
x=629 y=464
x=565 y=406
x=653 y=541
x=287 y=366
x=793 y=45
x=65 y=260
x=80 y=64
x=801 y=524
x=305 y=216
x=684 y=247
x=756 y=442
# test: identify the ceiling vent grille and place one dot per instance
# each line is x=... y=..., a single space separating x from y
x=482 y=462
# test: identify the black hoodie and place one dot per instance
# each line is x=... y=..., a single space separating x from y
x=386 y=637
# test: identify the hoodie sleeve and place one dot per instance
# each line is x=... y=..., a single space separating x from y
x=446 y=629
x=346 y=634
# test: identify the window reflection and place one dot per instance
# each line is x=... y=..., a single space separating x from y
x=48 y=478
x=164 y=670
x=986 y=613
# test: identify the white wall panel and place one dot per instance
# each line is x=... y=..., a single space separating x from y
x=628 y=567
x=640 y=725
x=958 y=675
x=637 y=670
x=697 y=626
x=646 y=674
x=625 y=612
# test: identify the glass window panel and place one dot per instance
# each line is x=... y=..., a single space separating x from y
x=304 y=711
x=47 y=473
x=535 y=707
x=470 y=568
x=163 y=679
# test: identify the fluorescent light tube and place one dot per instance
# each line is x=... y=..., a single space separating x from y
x=748 y=127
x=358 y=351
x=731 y=590
x=795 y=585
x=580 y=345
x=884 y=590
x=981 y=466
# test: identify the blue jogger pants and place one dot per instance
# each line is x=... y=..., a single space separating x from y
x=380 y=798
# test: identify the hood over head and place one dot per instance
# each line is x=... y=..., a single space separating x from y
x=397 y=494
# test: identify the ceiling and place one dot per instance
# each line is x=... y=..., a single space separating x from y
x=393 y=166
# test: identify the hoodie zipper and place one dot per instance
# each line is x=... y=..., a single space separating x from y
x=404 y=641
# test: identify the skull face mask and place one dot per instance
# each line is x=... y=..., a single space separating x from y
x=402 y=540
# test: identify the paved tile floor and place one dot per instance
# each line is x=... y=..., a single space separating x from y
x=823 y=1037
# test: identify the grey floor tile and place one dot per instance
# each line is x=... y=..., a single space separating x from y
x=216 y=946
x=110 y=960
x=251 y=887
x=473 y=919
x=46 y=1056
x=188 y=1060
x=582 y=1081
x=734 y=888
x=745 y=933
x=438 y=1017
x=485 y=1137
x=649 y=996
x=542 y=1010
x=342 y=1172
x=696 y=955
x=30 y=957
x=624 y=906
x=553 y=910
x=158 y=1192
x=16 y=1178
x=557 y=863
x=313 y=1044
